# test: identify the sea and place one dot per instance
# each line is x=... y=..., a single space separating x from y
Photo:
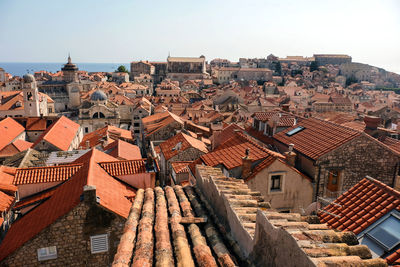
x=22 y=68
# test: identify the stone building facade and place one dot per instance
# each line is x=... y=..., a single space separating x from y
x=141 y=67
x=325 y=59
x=339 y=169
x=189 y=154
x=186 y=68
x=354 y=161
x=70 y=234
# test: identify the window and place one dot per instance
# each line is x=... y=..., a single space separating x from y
x=276 y=183
x=295 y=131
x=99 y=243
x=47 y=253
x=86 y=129
x=384 y=235
x=136 y=124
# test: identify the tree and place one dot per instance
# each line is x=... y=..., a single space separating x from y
x=278 y=68
x=313 y=66
x=350 y=80
x=122 y=69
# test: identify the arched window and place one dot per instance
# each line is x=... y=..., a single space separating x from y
x=98 y=115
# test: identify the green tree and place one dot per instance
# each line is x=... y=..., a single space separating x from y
x=313 y=66
x=122 y=69
x=278 y=68
x=350 y=80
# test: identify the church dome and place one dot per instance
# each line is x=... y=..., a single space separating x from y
x=98 y=95
x=28 y=78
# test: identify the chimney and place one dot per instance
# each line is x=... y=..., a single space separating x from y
x=89 y=194
x=149 y=163
x=285 y=107
x=199 y=135
x=372 y=122
x=246 y=164
x=87 y=144
x=290 y=156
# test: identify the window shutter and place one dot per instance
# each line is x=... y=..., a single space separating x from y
x=99 y=243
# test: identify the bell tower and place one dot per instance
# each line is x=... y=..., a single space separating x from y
x=31 y=96
x=70 y=71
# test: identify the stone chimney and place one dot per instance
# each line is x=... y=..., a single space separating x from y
x=87 y=144
x=246 y=164
x=290 y=156
x=89 y=194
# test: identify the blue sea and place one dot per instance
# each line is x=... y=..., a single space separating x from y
x=19 y=68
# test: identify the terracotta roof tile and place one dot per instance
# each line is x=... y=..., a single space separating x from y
x=15 y=147
x=9 y=130
x=391 y=142
x=123 y=150
x=113 y=195
x=317 y=138
x=36 y=124
x=5 y=201
x=231 y=152
x=179 y=143
x=124 y=167
x=181 y=166
x=34 y=199
x=167 y=232
x=62 y=127
x=49 y=174
x=356 y=216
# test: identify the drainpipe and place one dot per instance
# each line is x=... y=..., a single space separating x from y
x=394 y=175
x=318 y=181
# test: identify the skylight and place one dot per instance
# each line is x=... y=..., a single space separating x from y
x=384 y=235
x=295 y=131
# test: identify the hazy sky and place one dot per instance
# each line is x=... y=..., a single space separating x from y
x=126 y=30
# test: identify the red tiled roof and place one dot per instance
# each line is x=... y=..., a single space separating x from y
x=226 y=133
x=95 y=137
x=392 y=143
x=5 y=201
x=112 y=194
x=124 y=167
x=169 y=147
x=317 y=138
x=181 y=166
x=7 y=175
x=123 y=150
x=15 y=147
x=286 y=118
x=231 y=152
x=36 y=124
x=259 y=135
x=49 y=174
x=361 y=206
x=34 y=199
x=62 y=127
x=9 y=130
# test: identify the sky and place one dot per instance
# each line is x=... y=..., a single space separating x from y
x=108 y=31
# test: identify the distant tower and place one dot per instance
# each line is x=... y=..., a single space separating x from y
x=31 y=96
x=70 y=71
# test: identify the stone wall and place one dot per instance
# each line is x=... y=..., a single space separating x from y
x=71 y=235
x=270 y=238
x=358 y=158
